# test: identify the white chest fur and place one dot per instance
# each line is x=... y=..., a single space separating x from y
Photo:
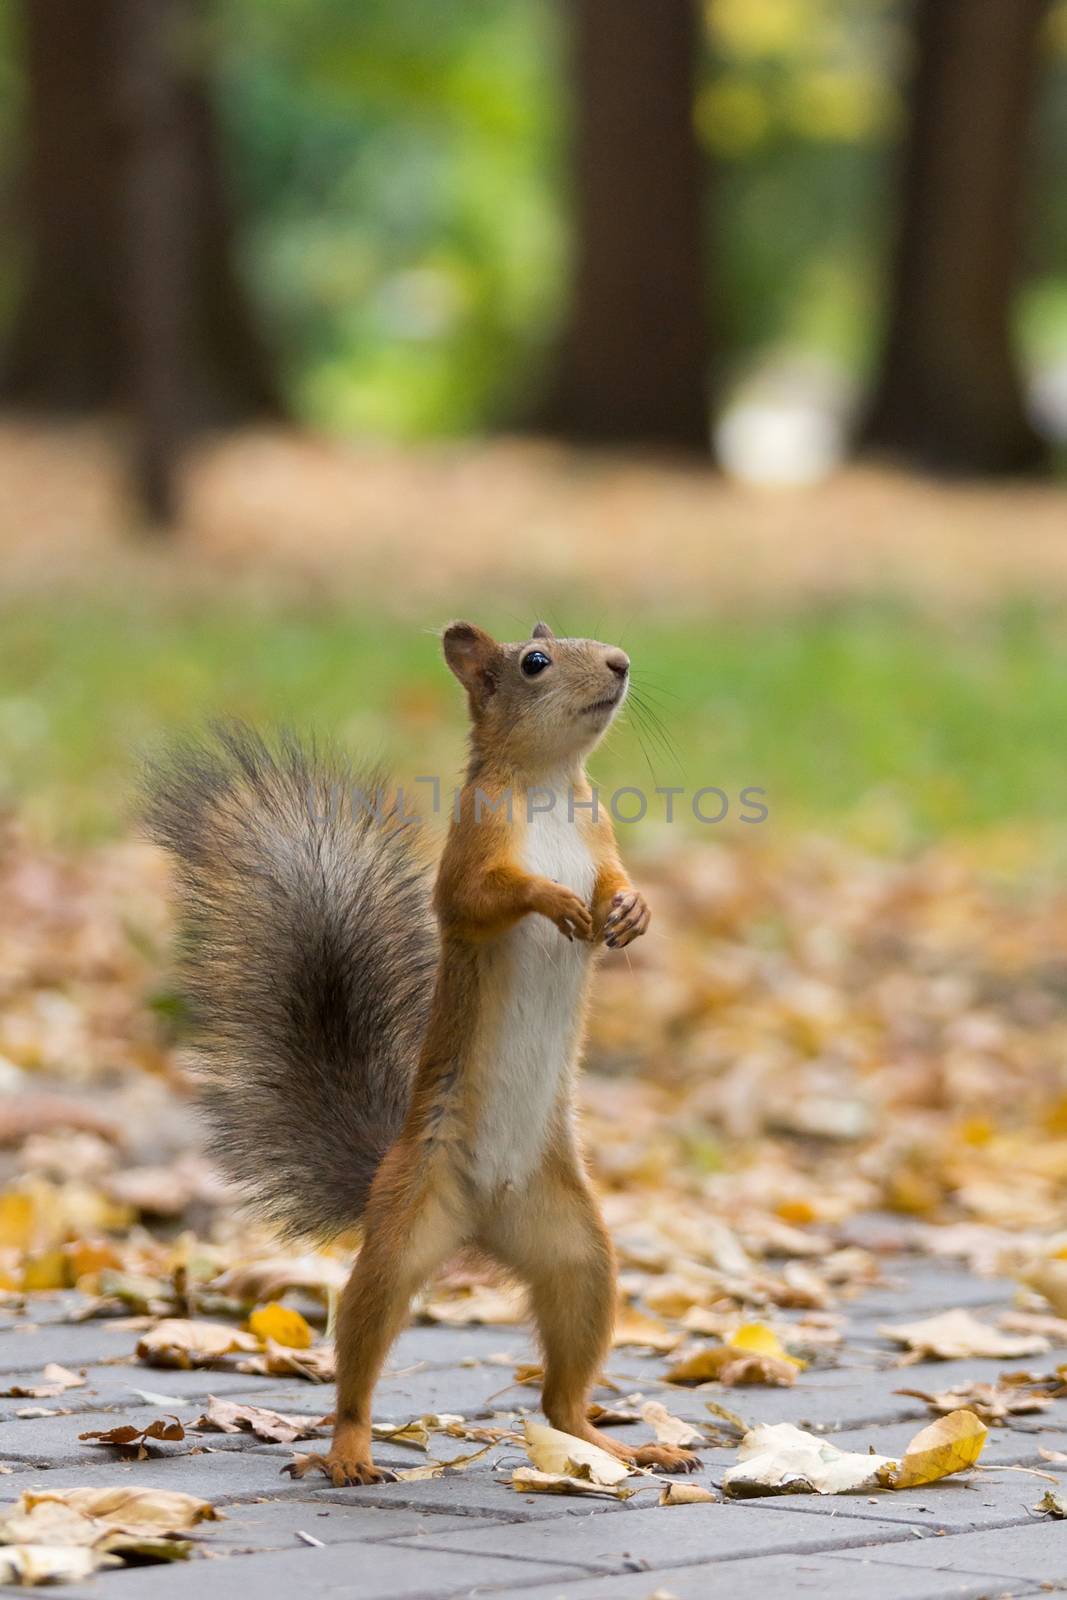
x=531 y=1039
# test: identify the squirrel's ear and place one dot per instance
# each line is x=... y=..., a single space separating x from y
x=475 y=658
x=541 y=630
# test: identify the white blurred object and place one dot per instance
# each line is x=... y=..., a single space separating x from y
x=786 y=426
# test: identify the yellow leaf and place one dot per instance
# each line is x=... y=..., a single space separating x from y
x=49 y=1270
x=283 y=1325
x=670 y=1429
x=951 y=1444
x=16 y=1220
x=757 y=1339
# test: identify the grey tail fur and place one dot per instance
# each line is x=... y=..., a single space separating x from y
x=308 y=951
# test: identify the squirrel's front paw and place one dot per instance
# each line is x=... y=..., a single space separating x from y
x=627 y=920
x=567 y=910
x=343 y=1471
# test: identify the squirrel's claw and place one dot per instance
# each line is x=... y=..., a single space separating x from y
x=628 y=920
x=343 y=1471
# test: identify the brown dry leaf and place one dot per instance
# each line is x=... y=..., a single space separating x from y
x=179 y=1342
x=126 y=1435
x=278 y=1324
x=562 y=1454
x=1054 y=1503
x=670 y=1429
x=957 y=1335
x=730 y=1418
x=527 y=1480
x=481 y=1304
x=257 y=1282
x=723 y=1364
x=56 y=1380
x=317 y=1365
x=634 y=1330
x=685 y=1494
x=128 y=1509
x=275 y=1427
x=437 y=1469
x=1053 y=1328
x=995 y=1403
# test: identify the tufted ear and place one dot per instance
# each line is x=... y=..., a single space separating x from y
x=541 y=630
x=475 y=658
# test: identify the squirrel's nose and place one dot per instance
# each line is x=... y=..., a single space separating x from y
x=619 y=662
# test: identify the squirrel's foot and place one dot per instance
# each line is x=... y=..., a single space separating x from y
x=343 y=1471
x=666 y=1458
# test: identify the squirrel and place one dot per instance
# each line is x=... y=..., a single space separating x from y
x=361 y=1069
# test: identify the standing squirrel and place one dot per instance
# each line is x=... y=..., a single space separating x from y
x=346 y=1083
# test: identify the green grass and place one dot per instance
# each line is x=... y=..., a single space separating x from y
x=873 y=718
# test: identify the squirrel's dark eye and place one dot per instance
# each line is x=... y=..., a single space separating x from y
x=535 y=662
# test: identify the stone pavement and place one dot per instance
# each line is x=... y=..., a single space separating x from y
x=470 y=1533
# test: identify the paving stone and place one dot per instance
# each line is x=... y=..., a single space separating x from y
x=955 y=1505
x=656 y=1537
x=274 y=1524
x=77 y=1344
x=914 y=1291
x=766 y=1577
x=444 y=1346
x=216 y=1475
x=348 y=1571
x=476 y=1494
x=1019 y=1446
x=1034 y=1552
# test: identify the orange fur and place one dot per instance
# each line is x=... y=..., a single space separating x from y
x=426 y=1200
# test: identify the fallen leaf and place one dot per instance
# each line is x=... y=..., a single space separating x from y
x=257 y=1282
x=278 y=1324
x=724 y=1364
x=317 y=1365
x=669 y=1429
x=177 y=1342
x=125 y=1436
x=730 y=1418
x=634 y=1330
x=55 y=1381
x=994 y=1403
x=275 y=1427
x=131 y=1510
x=482 y=1304
x=562 y=1454
x=777 y=1458
x=755 y=1338
x=685 y=1494
x=951 y=1444
x=957 y=1335
x=1049 y=1278
x=527 y=1480
x=1053 y=1503
x=29 y=1565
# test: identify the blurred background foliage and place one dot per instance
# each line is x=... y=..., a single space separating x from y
x=400 y=176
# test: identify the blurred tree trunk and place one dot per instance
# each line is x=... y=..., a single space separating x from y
x=949 y=394
x=131 y=301
x=633 y=362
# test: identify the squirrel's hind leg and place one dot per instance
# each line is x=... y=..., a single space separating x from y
x=409 y=1232
x=553 y=1238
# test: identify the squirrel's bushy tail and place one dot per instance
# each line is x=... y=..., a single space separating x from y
x=308 y=953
